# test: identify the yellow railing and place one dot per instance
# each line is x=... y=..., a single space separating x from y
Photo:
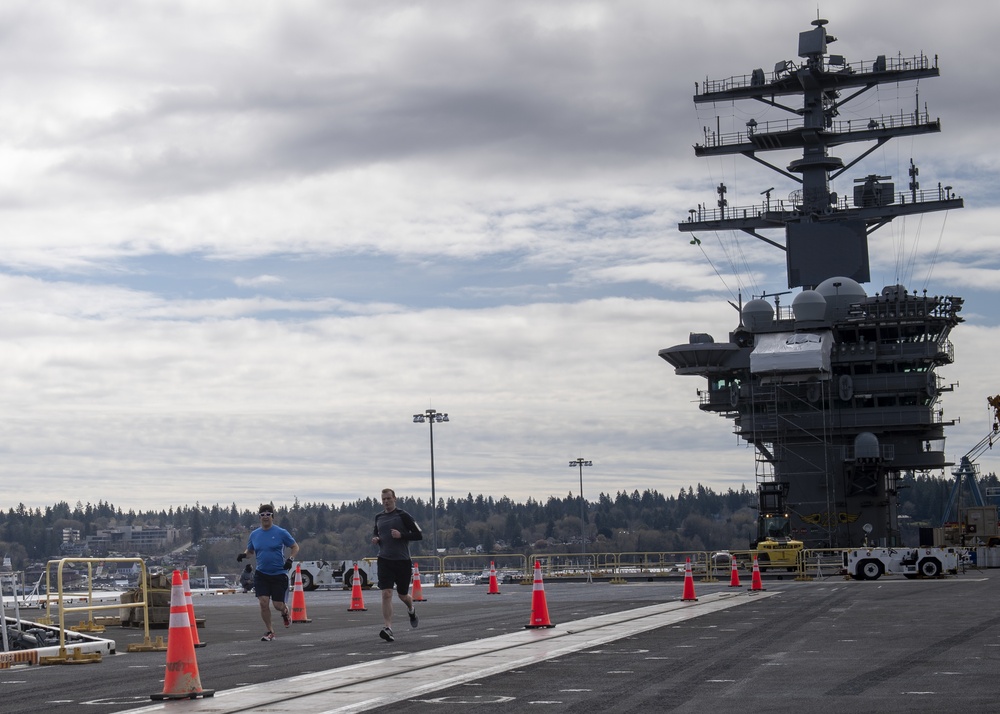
x=479 y=563
x=709 y=566
x=90 y=607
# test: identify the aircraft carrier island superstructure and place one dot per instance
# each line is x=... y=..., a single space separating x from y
x=839 y=395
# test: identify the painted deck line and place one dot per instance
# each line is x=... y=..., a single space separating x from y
x=369 y=685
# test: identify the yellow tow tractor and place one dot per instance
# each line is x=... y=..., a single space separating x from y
x=774 y=546
x=778 y=553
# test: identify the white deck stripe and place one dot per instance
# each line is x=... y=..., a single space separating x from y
x=373 y=684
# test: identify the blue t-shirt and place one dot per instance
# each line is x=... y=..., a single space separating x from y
x=269 y=547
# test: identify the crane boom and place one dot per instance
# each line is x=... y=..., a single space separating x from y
x=967 y=470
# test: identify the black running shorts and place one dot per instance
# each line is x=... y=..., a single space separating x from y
x=272 y=586
x=394 y=573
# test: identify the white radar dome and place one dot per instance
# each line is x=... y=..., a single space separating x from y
x=840 y=293
x=866 y=446
x=809 y=305
x=758 y=314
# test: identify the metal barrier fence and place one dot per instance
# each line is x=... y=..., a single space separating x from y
x=818 y=563
x=15 y=580
x=517 y=566
x=709 y=566
x=509 y=566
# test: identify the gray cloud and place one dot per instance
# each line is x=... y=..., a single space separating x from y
x=247 y=243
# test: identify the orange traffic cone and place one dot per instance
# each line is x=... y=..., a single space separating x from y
x=418 y=589
x=755 y=582
x=688 y=583
x=181 y=680
x=190 y=607
x=357 y=599
x=734 y=579
x=539 y=608
x=494 y=586
x=299 y=598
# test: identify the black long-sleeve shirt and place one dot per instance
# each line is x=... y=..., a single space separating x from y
x=396 y=548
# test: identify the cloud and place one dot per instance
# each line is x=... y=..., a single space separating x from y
x=237 y=252
x=229 y=399
x=258 y=281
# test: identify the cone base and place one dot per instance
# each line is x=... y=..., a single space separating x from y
x=357 y=609
x=183 y=695
x=537 y=627
x=295 y=622
x=200 y=644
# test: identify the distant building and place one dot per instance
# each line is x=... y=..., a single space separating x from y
x=77 y=549
x=131 y=538
x=70 y=535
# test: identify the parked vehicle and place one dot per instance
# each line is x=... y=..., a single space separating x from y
x=320 y=573
x=778 y=553
x=873 y=563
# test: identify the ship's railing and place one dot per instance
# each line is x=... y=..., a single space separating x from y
x=783 y=313
x=781 y=207
x=905 y=347
x=765 y=427
x=943 y=349
x=902 y=120
x=945 y=306
x=882 y=64
x=780 y=210
x=887 y=452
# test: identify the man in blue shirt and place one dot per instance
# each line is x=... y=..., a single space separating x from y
x=394 y=529
x=270 y=581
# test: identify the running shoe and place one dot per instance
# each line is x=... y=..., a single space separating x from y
x=386 y=634
x=286 y=618
x=267 y=637
x=413 y=618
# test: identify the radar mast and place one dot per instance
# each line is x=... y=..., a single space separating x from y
x=840 y=394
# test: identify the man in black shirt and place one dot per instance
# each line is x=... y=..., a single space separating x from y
x=394 y=529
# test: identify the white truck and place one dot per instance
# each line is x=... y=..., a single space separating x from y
x=872 y=563
x=320 y=573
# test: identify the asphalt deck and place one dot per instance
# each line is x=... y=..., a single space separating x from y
x=892 y=645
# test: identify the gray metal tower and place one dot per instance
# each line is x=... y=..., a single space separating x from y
x=838 y=393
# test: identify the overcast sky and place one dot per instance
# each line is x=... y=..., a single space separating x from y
x=242 y=243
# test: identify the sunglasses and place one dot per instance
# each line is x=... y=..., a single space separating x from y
x=266 y=513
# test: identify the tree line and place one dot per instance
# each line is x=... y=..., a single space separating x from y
x=697 y=518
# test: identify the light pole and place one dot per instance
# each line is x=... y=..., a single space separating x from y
x=430 y=416
x=583 y=516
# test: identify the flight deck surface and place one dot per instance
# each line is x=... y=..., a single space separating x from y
x=893 y=645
